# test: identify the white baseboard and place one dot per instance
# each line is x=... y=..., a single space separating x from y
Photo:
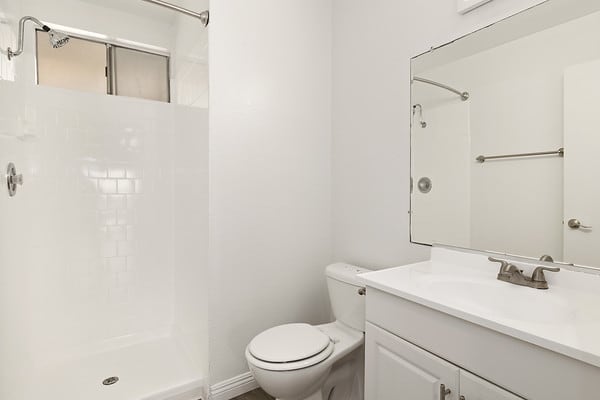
x=233 y=387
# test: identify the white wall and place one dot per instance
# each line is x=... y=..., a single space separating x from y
x=373 y=42
x=270 y=146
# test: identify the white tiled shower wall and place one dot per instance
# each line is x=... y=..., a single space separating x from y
x=90 y=233
x=90 y=202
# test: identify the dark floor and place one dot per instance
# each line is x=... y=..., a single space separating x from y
x=254 y=395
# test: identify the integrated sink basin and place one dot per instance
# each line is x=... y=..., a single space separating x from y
x=564 y=318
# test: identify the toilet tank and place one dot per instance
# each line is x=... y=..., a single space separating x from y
x=347 y=304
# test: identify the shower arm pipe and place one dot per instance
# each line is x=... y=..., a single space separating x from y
x=21 y=39
x=202 y=16
x=464 y=96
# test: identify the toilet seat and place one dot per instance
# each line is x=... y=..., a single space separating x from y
x=290 y=347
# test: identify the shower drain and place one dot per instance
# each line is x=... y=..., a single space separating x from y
x=110 y=381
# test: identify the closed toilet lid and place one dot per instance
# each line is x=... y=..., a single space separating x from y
x=288 y=343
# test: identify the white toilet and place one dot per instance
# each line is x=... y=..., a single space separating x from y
x=323 y=362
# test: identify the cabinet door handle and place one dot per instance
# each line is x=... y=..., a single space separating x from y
x=444 y=392
x=462 y=398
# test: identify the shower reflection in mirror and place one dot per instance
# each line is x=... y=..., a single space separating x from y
x=511 y=139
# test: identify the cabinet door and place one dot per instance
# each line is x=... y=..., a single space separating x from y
x=475 y=388
x=398 y=370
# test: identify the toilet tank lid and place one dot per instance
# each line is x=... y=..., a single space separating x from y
x=345 y=273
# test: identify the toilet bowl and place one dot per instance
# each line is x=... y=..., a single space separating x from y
x=305 y=362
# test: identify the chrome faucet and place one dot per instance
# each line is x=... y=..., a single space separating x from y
x=512 y=274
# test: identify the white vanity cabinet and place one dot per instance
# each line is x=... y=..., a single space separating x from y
x=411 y=350
x=398 y=370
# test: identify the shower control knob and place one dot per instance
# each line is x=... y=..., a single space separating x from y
x=13 y=179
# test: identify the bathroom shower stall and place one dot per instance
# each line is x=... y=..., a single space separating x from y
x=103 y=248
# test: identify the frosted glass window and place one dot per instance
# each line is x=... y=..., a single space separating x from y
x=81 y=65
x=100 y=67
x=141 y=74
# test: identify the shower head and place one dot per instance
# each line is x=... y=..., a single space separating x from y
x=57 y=39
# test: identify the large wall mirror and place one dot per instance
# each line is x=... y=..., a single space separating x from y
x=505 y=136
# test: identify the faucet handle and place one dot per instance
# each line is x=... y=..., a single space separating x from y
x=538 y=273
x=505 y=266
x=503 y=263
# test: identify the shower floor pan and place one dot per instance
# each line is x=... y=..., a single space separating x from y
x=154 y=370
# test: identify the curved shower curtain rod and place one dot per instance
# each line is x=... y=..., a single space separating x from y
x=464 y=96
x=202 y=16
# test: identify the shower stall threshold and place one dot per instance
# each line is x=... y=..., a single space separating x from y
x=153 y=370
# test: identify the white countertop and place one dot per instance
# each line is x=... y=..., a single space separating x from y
x=564 y=318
